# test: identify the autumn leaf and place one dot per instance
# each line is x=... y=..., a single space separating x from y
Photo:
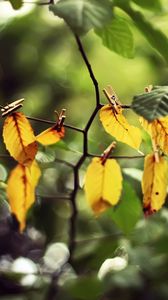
x=19 y=138
x=50 y=136
x=21 y=190
x=103 y=184
x=158 y=130
x=154 y=183
x=117 y=125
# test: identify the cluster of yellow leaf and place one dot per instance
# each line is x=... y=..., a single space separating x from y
x=22 y=145
x=103 y=183
x=158 y=130
x=154 y=183
x=155 y=178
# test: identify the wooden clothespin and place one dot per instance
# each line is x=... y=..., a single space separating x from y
x=61 y=119
x=11 y=107
x=112 y=98
x=108 y=151
x=148 y=88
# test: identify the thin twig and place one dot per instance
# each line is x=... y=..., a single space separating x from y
x=99 y=238
x=53 y=123
x=87 y=127
x=39 y=3
x=54 y=288
x=126 y=106
x=117 y=156
x=73 y=128
x=74 y=212
x=54 y=197
x=88 y=155
x=88 y=65
x=73 y=219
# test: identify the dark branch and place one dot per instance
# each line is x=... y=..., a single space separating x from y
x=88 y=65
x=73 y=219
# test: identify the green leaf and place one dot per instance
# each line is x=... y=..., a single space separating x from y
x=129 y=210
x=89 y=288
x=82 y=15
x=3 y=173
x=16 y=4
x=4 y=205
x=43 y=157
x=152 y=105
x=118 y=37
x=61 y=145
x=155 y=37
x=128 y=278
x=154 y=5
x=134 y=173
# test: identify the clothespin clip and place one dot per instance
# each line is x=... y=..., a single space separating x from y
x=149 y=88
x=11 y=107
x=112 y=98
x=107 y=152
x=61 y=119
x=156 y=151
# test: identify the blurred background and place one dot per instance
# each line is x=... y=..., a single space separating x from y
x=40 y=61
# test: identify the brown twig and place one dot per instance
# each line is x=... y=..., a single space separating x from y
x=74 y=212
x=53 y=123
x=73 y=219
x=39 y=3
x=117 y=156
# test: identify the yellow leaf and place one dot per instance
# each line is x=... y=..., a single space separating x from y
x=50 y=136
x=158 y=130
x=21 y=190
x=154 y=183
x=117 y=125
x=19 y=138
x=103 y=184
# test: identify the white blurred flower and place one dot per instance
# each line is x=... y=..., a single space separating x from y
x=28 y=280
x=56 y=255
x=24 y=265
x=112 y=264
